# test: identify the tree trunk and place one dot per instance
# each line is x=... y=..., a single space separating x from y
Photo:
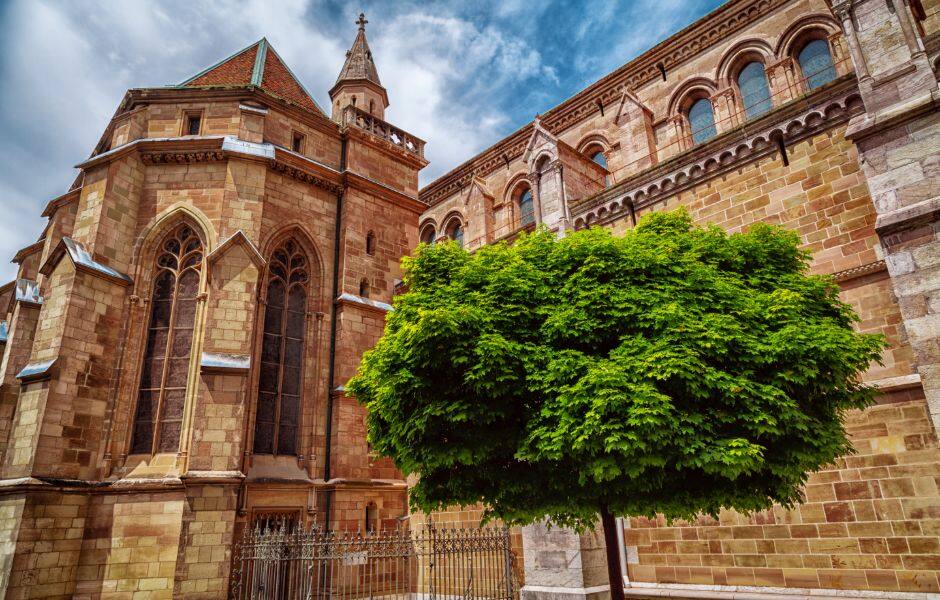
x=614 y=573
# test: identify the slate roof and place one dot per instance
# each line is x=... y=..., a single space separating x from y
x=359 y=64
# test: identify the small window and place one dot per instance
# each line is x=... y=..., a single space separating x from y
x=370 y=244
x=193 y=123
x=702 y=121
x=526 y=208
x=353 y=100
x=455 y=231
x=371 y=517
x=428 y=234
x=371 y=106
x=755 y=94
x=297 y=143
x=816 y=63
x=364 y=288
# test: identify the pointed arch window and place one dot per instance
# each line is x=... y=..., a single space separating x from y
x=277 y=421
x=755 y=93
x=165 y=371
x=816 y=64
x=702 y=121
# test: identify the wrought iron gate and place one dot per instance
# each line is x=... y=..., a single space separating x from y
x=434 y=563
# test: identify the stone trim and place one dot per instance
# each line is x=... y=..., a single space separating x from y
x=23 y=253
x=812 y=114
x=27 y=291
x=56 y=203
x=896 y=384
x=732 y=592
x=908 y=217
x=375 y=305
x=383 y=192
x=679 y=48
x=36 y=371
x=855 y=272
x=83 y=261
x=240 y=239
x=306 y=177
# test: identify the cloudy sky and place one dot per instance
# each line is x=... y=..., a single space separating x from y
x=460 y=74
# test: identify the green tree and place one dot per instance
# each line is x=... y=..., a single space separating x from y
x=675 y=370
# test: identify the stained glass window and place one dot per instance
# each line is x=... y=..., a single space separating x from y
x=755 y=95
x=816 y=63
x=526 y=208
x=165 y=370
x=702 y=121
x=277 y=419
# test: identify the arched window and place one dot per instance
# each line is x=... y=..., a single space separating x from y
x=526 y=207
x=755 y=95
x=428 y=234
x=370 y=244
x=279 y=383
x=598 y=157
x=165 y=370
x=816 y=64
x=702 y=120
x=364 y=288
x=455 y=231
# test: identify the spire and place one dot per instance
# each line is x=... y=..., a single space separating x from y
x=359 y=64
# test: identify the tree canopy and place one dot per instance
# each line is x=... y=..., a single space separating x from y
x=673 y=370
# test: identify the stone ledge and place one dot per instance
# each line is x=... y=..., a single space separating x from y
x=543 y=592
x=908 y=217
x=723 y=592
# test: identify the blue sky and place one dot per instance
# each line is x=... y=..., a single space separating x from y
x=459 y=74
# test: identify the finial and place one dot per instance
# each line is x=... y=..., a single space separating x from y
x=362 y=22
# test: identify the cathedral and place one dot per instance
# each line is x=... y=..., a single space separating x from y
x=175 y=344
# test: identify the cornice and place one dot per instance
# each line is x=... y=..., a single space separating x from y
x=171 y=95
x=358 y=181
x=824 y=108
x=871 y=268
x=679 y=48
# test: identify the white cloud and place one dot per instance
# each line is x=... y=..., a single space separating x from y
x=65 y=67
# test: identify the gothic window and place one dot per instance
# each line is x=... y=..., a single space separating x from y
x=370 y=244
x=427 y=234
x=165 y=368
x=526 y=207
x=455 y=231
x=755 y=94
x=702 y=120
x=816 y=64
x=279 y=383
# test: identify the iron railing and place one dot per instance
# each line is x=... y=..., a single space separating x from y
x=276 y=562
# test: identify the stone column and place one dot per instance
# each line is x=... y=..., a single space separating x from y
x=561 y=564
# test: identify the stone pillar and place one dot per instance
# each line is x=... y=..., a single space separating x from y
x=561 y=564
x=898 y=136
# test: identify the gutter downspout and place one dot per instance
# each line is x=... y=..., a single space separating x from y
x=331 y=385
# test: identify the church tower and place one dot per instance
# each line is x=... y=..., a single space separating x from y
x=358 y=83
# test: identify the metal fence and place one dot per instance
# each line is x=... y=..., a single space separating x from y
x=275 y=562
